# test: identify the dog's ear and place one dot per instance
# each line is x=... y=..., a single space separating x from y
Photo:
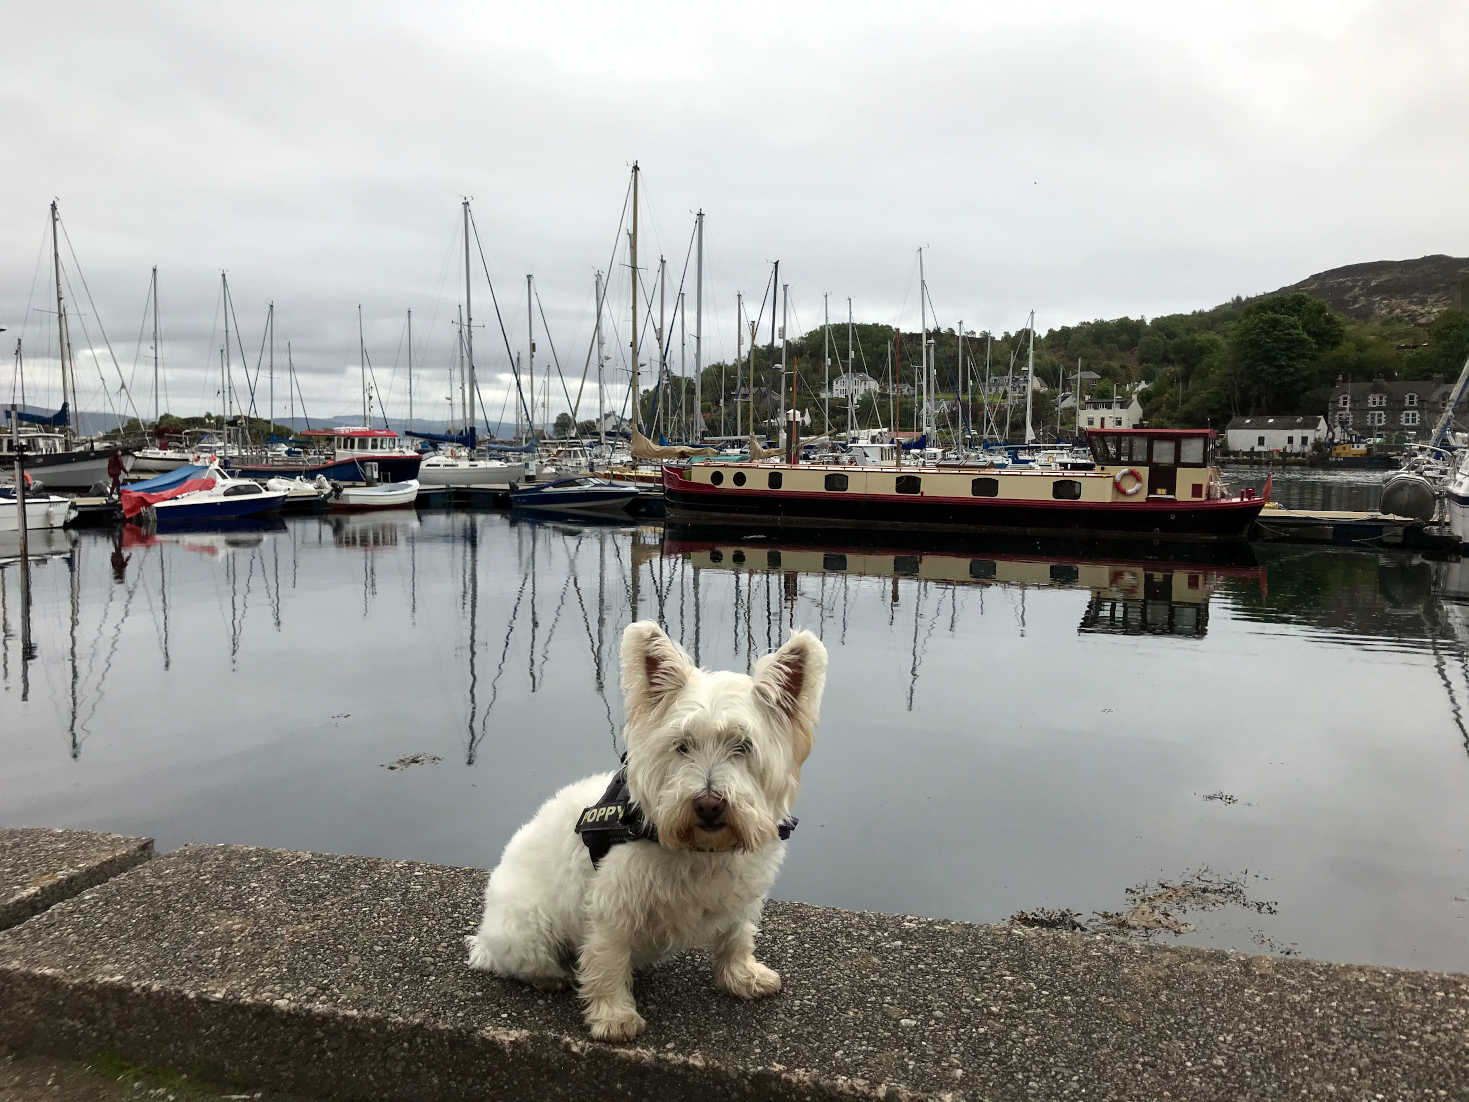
x=654 y=669
x=790 y=682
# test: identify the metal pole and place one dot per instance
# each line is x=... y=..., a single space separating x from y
x=739 y=363
x=785 y=320
x=683 y=367
x=632 y=260
x=601 y=402
x=270 y=320
x=20 y=513
x=699 y=334
x=155 y=346
x=468 y=330
x=662 y=339
x=923 y=345
x=1030 y=383
x=73 y=423
x=530 y=359
x=850 y=370
x=362 y=366
x=410 y=369
x=826 y=369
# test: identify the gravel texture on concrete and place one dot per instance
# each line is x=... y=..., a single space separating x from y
x=345 y=976
x=40 y=867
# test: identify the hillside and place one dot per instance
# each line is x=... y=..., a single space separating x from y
x=1412 y=291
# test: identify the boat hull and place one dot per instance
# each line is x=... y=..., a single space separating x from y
x=471 y=475
x=359 y=499
x=42 y=511
x=592 y=502
x=74 y=470
x=699 y=506
x=389 y=468
x=181 y=510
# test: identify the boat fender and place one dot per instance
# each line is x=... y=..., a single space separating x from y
x=1137 y=481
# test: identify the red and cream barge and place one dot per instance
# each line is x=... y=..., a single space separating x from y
x=1150 y=484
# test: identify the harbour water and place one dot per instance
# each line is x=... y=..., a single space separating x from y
x=1271 y=749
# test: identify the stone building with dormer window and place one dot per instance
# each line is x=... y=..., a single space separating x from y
x=1399 y=412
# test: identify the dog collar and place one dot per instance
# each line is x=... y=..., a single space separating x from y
x=615 y=819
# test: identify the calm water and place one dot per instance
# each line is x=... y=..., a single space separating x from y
x=1001 y=732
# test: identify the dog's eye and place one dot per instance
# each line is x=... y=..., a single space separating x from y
x=741 y=748
x=684 y=747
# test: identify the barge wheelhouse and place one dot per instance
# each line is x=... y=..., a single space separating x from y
x=1152 y=484
x=359 y=455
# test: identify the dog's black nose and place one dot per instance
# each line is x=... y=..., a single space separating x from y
x=710 y=809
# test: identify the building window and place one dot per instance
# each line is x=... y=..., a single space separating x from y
x=1345 y=401
x=1090 y=421
x=1117 y=422
x=836 y=482
x=1410 y=416
x=1066 y=489
x=909 y=484
x=1376 y=401
x=1290 y=441
x=1377 y=418
x=1344 y=420
x=985 y=487
x=774 y=479
x=716 y=477
x=1410 y=399
x=1260 y=440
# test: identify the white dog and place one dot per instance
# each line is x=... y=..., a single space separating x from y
x=702 y=807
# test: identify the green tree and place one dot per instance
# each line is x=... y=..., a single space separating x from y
x=1448 y=346
x=563 y=424
x=1274 y=357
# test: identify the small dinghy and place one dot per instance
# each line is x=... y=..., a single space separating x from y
x=389 y=495
x=575 y=495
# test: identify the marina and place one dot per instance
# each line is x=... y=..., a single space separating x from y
x=1032 y=708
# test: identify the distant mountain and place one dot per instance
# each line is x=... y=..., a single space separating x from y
x=1413 y=291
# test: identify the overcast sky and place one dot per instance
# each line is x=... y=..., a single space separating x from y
x=1081 y=160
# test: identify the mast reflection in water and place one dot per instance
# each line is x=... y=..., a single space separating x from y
x=1004 y=728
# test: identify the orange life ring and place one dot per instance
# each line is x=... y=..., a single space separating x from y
x=1137 y=481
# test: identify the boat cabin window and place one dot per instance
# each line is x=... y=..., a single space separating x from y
x=772 y=560
x=982 y=569
x=1165 y=452
x=739 y=478
x=906 y=565
x=774 y=479
x=836 y=482
x=985 y=487
x=716 y=478
x=833 y=563
x=909 y=484
x=1065 y=573
x=1191 y=451
x=716 y=555
x=1066 y=489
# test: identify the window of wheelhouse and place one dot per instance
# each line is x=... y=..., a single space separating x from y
x=1191 y=451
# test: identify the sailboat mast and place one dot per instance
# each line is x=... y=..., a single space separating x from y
x=468 y=329
x=530 y=359
x=785 y=321
x=850 y=370
x=699 y=331
x=826 y=369
x=362 y=365
x=1030 y=383
x=73 y=424
x=224 y=285
x=290 y=388
x=632 y=261
x=270 y=319
x=155 y=345
x=683 y=367
x=410 y=369
x=739 y=363
x=923 y=343
x=662 y=336
x=601 y=398
x=959 y=380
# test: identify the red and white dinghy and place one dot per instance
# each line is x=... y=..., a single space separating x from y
x=1142 y=484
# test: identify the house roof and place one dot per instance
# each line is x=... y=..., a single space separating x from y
x=1395 y=387
x=1278 y=421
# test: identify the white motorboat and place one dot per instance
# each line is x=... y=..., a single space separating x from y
x=210 y=498
x=388 y=495
x=452 y=470
x=42 y=511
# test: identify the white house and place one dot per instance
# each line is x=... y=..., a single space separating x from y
x=612 y=421
x=1122 y=412
x=852 y=384
x=1275 y=433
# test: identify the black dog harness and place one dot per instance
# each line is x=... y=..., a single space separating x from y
x=615 y=819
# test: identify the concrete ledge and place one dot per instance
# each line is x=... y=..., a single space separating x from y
x=345 y=976
x=40 y=867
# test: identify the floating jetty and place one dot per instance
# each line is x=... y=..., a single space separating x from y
x=345 y=976
x=1347 y=528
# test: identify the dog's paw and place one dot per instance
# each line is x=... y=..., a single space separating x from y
x=609 y=1023
x=748 y=979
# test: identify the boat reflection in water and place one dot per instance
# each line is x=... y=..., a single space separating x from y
x=1127 y=596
